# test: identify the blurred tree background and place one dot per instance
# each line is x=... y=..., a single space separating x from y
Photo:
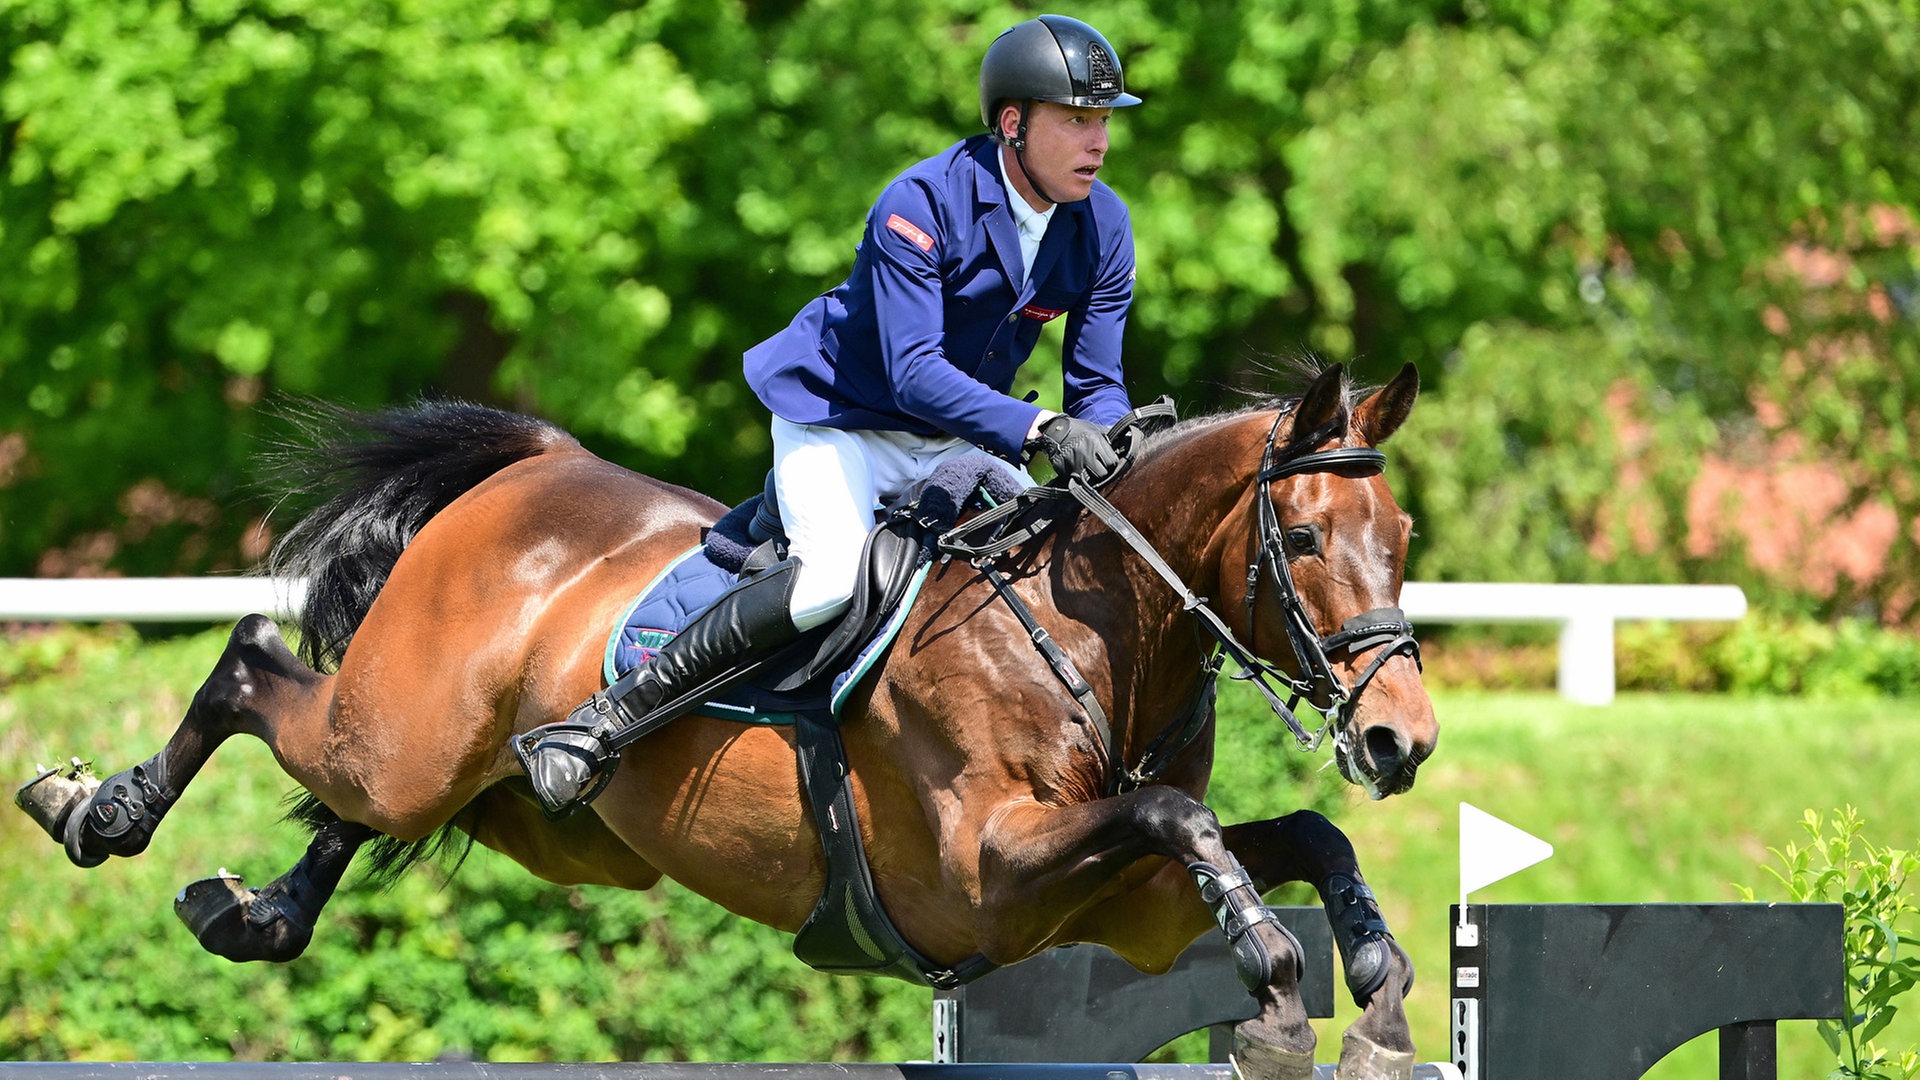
x=1656 y=261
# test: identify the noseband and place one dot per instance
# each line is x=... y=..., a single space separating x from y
x=1385 y=629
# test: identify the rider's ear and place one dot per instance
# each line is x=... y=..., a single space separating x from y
x=1322 y=412
x=1008 y=120
x=1382 y=413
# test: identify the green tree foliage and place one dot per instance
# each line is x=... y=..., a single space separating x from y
x=1575 y=217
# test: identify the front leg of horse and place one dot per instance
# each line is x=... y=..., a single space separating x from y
x=1042 y=864
x=1305 y=846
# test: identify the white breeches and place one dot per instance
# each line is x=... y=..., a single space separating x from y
x=830 y=484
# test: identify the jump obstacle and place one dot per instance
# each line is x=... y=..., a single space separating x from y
x=1594 y=991
x=1602 y=991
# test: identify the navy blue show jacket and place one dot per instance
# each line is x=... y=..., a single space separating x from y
x=926 y=333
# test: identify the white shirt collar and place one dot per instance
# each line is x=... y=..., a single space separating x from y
x=1032 y=223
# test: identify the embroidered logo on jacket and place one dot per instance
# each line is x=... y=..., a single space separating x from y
x=1042 y=314
x=911 y=231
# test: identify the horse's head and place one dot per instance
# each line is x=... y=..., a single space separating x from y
x=1328 y=554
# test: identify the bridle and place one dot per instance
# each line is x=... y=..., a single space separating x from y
x=1384 y=629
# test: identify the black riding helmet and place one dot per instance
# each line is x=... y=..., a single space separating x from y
x=1051 y=58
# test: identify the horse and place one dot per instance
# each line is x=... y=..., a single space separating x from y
x=467 y=564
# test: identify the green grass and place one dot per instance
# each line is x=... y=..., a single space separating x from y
x=1657 y=798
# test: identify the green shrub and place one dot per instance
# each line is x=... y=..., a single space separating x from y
x=1769 y=654
x=1841 y=864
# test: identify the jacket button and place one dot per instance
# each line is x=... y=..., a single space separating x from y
x=1015 y=317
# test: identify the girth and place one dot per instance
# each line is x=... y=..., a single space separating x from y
x=849 y=932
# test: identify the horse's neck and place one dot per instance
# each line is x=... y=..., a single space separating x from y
x=1188 y=499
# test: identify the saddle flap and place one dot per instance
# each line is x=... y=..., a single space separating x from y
x=887 y=565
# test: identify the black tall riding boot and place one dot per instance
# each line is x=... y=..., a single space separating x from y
x=571 y=761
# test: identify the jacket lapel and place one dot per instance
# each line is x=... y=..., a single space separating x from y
x=1061 y=230
x=990 y=202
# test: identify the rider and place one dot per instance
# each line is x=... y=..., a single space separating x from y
x=965 y=257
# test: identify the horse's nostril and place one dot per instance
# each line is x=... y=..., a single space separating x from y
x=1384 y=751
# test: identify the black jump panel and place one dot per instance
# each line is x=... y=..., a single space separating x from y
x=1603 y=991
x=1084 y=1003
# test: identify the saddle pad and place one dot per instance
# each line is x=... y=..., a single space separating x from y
x=688 y=586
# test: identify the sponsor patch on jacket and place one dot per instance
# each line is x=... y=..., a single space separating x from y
x=1042 y=314
x=911 y=231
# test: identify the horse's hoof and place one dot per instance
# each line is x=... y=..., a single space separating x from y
x=1264 y=1061
x=228 y=920
x=1363 y=1059
x=73 y=836
x=51 y=797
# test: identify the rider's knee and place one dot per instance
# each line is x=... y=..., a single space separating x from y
x=824 y=589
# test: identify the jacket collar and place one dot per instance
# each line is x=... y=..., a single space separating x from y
x=990 y=204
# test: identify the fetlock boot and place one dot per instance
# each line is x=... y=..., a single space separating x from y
x=571 y=761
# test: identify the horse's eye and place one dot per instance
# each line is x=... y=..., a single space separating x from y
x=1302 y=541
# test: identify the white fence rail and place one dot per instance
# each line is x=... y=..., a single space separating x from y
x=201 y=599
x=1586 y=614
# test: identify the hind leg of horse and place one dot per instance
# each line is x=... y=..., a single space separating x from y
x=255 y=676
x=274 y=922
x=1039 y=864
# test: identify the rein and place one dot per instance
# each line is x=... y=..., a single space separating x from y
x=1385 y=629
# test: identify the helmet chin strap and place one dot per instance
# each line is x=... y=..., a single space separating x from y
x=1019 y=145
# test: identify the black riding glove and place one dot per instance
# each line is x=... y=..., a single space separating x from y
x=1077 y=447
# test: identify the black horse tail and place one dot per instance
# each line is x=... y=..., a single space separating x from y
x=377 y=478
x=374 y=479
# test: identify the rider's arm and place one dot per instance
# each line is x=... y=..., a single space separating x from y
x=907 y=239
x=1090 y=356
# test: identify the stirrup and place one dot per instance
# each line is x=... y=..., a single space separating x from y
x=559 y=738
x=582 y=739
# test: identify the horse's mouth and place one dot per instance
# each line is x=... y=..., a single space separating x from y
x=1375 y=763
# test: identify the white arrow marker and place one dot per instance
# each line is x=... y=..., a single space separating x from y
x=1491 y=849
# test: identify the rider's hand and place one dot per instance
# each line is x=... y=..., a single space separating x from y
x=1077 y=447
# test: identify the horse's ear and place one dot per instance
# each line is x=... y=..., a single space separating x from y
x=1322 y=412
x=1386 y=409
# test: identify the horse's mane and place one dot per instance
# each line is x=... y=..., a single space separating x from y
x=1292 y=374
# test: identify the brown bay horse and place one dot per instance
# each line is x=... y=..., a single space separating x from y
x=467 y=568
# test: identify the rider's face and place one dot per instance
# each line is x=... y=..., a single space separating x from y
x=1066 y=147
